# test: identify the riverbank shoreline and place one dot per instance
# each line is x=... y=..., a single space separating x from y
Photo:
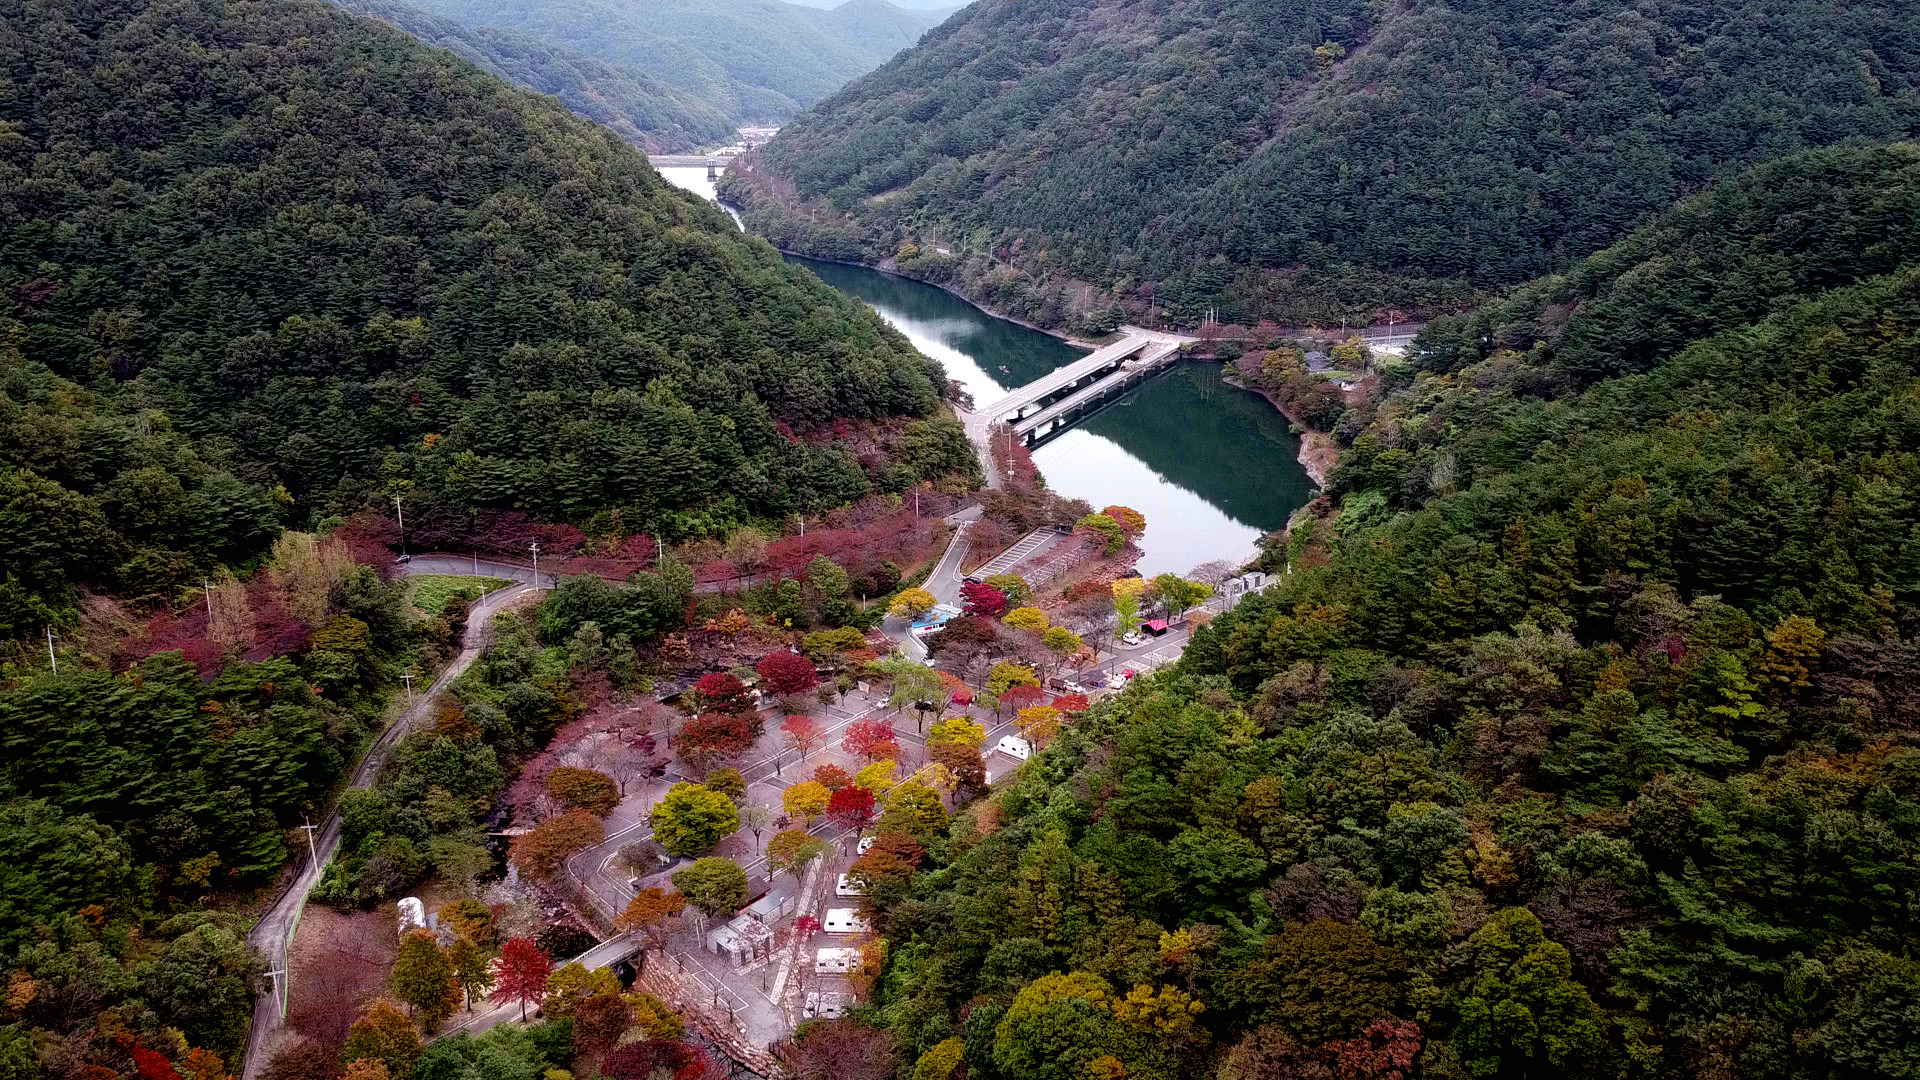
x=1319 y=454
x=894 y=271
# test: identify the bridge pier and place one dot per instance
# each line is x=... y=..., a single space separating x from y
x=713 y=169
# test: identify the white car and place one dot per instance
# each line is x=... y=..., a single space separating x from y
x=865 y=845
x=1133 y=638
x=848 y=887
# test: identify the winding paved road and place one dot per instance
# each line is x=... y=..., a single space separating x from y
x=270 y=935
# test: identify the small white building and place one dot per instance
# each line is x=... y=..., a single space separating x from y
x=1015 y=747
x=741 y=940
x=844 y=920
x=835 y=961
x=825 y=1004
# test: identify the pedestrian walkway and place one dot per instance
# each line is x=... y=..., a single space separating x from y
x=1026 y=547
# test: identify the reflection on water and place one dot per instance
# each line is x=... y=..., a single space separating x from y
x=1211 y=467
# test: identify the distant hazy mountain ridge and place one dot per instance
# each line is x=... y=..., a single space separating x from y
x=752 y=60
x=656 y=116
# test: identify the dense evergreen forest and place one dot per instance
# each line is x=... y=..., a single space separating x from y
x=1580 y=741
x=1308 y=162
x=756 y=61
x=657 y=117
x=236 y=297
x=263 y=264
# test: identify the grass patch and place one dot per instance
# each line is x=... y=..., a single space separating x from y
x=429 y=593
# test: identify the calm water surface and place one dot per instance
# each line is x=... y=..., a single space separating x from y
x=1210 y=466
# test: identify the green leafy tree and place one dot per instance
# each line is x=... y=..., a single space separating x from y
x=1014 y=587
x=1108 y=531
x=1519 y=1009
x=472 y=965
x=1007 y=674
x=692 y=819
x=830 y=591
x=792 y=851
x=1176 y=594
x=1055 y=1027
x=713 y=885
x=421 y=977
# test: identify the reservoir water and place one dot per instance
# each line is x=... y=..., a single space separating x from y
x=1212 y=467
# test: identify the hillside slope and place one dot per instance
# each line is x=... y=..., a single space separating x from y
x=1579 y=742
x=657 y=117
x=428 y=284
x=1308 y=161
x=754 y=60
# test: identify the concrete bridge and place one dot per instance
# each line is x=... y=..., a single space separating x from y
x=713 y=162
x=1052 y=400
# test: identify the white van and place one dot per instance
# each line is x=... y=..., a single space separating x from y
x=835 y=961
x=845 y=920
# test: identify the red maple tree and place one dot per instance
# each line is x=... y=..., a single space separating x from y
x=721 y=692
x=522 y=973
x=851 y=808
x=983 y=600
x=870 y=739
x=1071 y=703
x=713 y=737
x=787 y=673
x=802 y=732
x=1023 y=696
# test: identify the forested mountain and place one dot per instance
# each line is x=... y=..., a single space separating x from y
x=283 y=299
x=1580 y=741
x=659 y=118
x=1308 y=161
x=753 y=60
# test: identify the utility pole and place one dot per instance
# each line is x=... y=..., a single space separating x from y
x=406 y=677
x=312 y=852
x=52 y=659
x=207 y=588
x=401 y=518
x=535 y=548
x=278 y=975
